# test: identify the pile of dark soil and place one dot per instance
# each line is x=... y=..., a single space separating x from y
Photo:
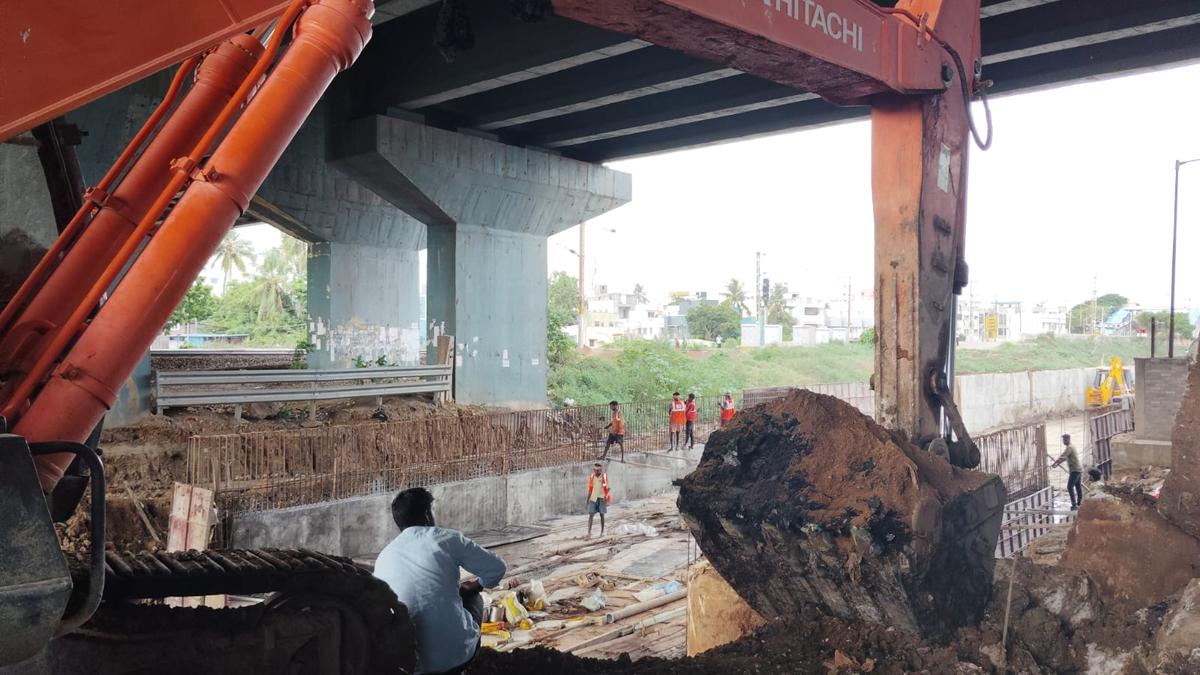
x=840 y=509
x=1057 y=624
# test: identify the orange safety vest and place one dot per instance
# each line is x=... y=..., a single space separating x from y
x=603 y=486
x=727 y=410
x=678 y=412
x=618 y=425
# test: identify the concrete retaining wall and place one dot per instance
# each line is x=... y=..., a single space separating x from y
x=991 y=400
x=362 y=526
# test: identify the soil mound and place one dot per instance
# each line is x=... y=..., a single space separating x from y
x=837 y=510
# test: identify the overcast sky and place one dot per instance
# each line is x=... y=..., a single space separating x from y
x=1078 y=184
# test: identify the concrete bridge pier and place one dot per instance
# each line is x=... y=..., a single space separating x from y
x=489 y=208
x=363 y=269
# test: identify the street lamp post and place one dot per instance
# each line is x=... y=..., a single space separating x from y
x=1174 y=241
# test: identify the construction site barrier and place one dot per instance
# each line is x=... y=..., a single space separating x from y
x=1026 y=519
x=260 y=470
x=236 y=387
x=1102 y=425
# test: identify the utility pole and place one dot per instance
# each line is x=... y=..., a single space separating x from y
x=849 y=320
x=1095 y=313
x=582 y=301
x=1174 y=237
x=759 y=301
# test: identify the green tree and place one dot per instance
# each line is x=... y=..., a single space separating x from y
x=271 y=288
x=778 y=310
x=559 y=346
x=867 y=337
x=639 y=294
x=563 y=298
x=1081 y=316
x=233 y=253
x=294 y=253
x=1183 y=325
x=709 y=321
x=197 y=305
x=735 y=295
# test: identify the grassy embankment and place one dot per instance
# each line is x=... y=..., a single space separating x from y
x=651 y=370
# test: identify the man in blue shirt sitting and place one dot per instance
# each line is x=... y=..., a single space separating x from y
x=422 y=567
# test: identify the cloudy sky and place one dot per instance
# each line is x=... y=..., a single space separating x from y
x=1077 y=185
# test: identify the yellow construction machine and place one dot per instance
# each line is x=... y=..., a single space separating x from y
x=1112 y=384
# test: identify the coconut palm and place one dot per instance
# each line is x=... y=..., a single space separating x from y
x=233 y=253
x=295 y=255
x=735 y=295
x=269 y=290
x=639 y=295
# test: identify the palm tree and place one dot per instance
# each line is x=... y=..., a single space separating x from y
x=233 y=252
x=735 y=295
x=270 y=288
x=639 y=295
x=295 y=255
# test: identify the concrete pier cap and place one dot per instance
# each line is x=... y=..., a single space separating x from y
x=489 y=208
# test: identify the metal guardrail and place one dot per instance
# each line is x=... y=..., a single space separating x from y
x=180 y=388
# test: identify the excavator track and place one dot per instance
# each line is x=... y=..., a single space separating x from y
x=323 y=614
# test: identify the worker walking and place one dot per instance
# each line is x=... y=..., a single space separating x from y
x=598 y=497
x=616 y=430
x=421 y=566
x=690 y=416
x=1075 y=477
x=677 y=415
x=728 y=409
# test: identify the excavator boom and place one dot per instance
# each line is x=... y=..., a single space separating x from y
x=61 y=54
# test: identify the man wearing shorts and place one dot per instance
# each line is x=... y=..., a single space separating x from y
x=598 y=497
x=616 y=430
x=677 y=415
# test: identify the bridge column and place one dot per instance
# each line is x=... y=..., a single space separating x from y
x=489 y=208
x=363 y=270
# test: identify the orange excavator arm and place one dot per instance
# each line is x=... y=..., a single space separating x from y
x=61 y=54
x=917 y=65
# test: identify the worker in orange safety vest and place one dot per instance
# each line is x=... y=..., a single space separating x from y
x=728 y=408
x=691 y=414
x=598 y=497
x=677 y=413
x=616 y=430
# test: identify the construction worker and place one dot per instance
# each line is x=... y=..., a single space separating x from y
x=421 y=566
x=728 y=408
x=690 y=416
x=598 y=497
x=1075 y=476
x=677 y=415
x=616 y=427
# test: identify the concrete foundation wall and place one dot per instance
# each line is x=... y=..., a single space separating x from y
x=1160 y=385
x=362 y=302
x=362 y=526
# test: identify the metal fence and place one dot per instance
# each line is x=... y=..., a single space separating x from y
x=1103 y=424
x=1018 y=456
x=1026 y=519
x=252 y=471
x=217 y=387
